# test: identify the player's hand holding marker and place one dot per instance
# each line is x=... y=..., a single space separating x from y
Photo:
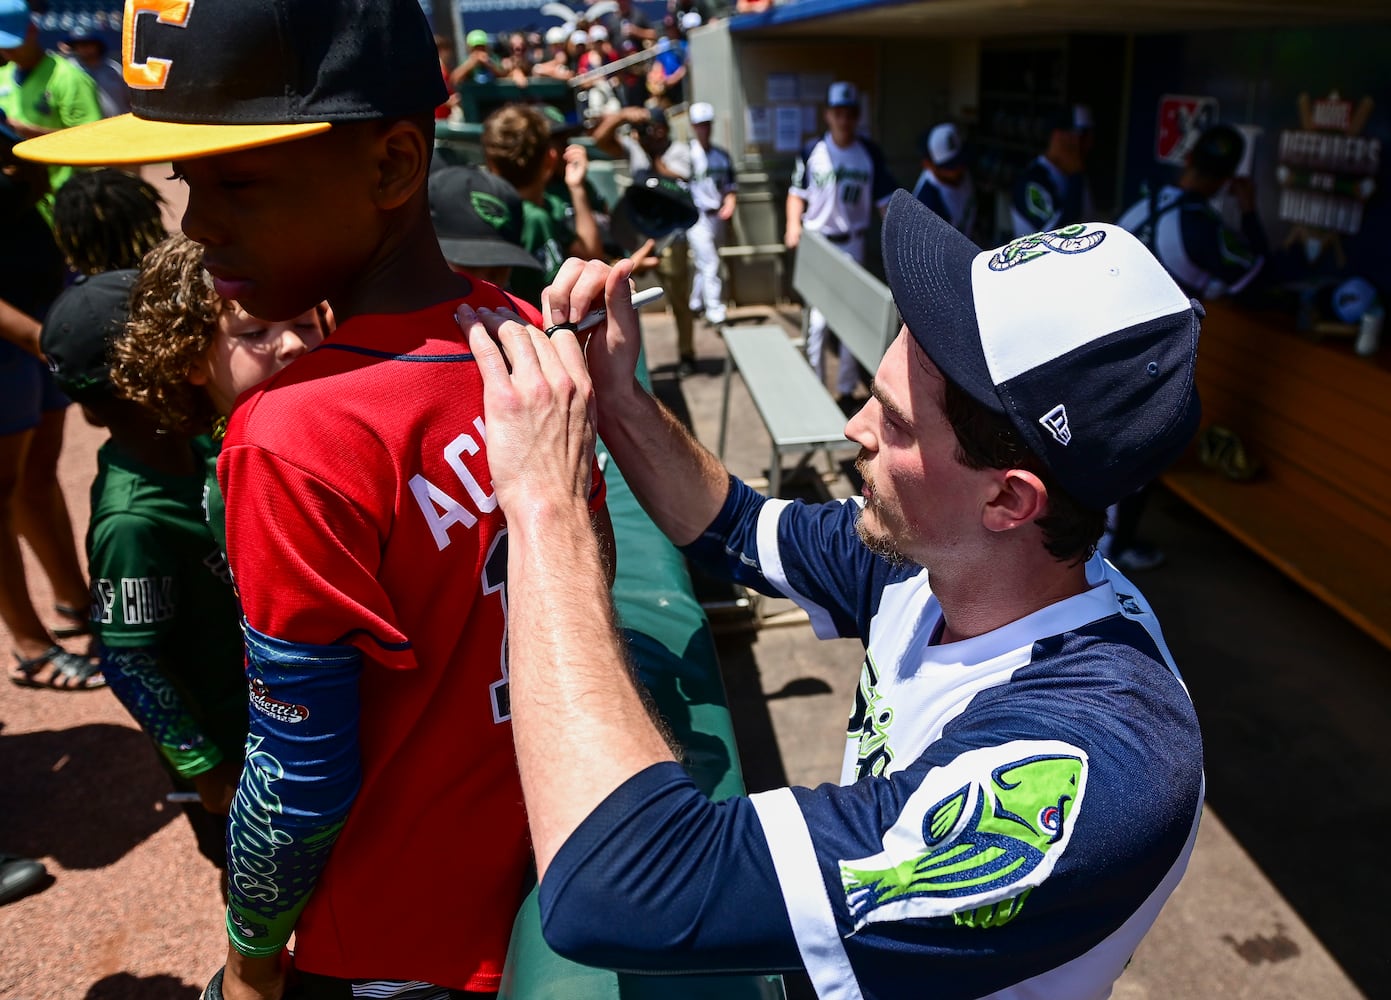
x=579 y=289
x=539 y=413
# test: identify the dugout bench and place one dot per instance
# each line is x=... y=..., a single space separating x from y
x=798 y=411
x=673 y=649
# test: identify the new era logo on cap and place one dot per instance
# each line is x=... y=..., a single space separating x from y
x=1079 y=336
x=214 y=77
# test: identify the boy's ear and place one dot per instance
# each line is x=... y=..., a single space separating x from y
x=403 y=165
x=198 y=372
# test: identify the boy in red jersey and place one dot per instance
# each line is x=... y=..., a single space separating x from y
x=379 y=815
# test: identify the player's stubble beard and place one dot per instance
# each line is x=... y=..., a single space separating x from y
x=881 y=544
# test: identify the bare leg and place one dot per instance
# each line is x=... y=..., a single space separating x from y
x=30 y=636
x=41 y=513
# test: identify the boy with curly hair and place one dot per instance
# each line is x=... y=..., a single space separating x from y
x=378 y=817
x=187 y=354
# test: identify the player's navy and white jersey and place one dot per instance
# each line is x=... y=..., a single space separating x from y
x=1045 y=198
x=1207 y=258
x=1015 y=807
x=955 y=204
x=841 y=185
x=712 y=176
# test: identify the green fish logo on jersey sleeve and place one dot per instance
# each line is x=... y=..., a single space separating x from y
x=974 y=838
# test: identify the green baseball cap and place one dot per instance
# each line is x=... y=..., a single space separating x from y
x=475 y=38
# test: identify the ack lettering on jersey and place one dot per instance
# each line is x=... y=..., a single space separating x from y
x=974 y=839
x=440 y=509
x=147 y=599
x=870 y=720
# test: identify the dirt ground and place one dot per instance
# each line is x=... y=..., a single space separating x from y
x=132 y=909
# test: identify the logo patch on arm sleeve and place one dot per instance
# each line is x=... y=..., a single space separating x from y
x=975 y=837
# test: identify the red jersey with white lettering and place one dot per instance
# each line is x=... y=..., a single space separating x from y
x=360 y=512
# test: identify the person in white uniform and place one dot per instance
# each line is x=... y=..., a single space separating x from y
x=944 y=184
x=714 y=192
x=838 y=181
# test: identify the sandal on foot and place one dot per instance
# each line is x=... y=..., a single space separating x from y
x=70 y=672
x=78 y=616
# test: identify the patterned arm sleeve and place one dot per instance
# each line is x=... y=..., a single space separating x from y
x=302 y=774
x=155 y=702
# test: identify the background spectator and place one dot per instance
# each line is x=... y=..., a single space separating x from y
x=89 y=51
x=32 y=414
x=40 y=92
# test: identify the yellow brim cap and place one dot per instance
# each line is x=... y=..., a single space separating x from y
x=127 y=139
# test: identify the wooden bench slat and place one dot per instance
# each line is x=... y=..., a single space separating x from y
x=1341 y=566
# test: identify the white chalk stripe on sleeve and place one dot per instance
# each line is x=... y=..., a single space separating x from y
x=770 y=563
x=804 y=895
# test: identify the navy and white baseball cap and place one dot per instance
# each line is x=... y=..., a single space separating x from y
x=1079 y=336
x=209 y=78
x=14 y=23
x=842 y=94
x=944 y=146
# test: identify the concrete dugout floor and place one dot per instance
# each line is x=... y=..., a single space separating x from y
x=1285 y=893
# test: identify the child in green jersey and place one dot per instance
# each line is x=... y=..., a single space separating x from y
x=163 y=613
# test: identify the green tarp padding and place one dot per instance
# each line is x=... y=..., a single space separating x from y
x=669 y=640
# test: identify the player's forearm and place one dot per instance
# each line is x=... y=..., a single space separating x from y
x=605 y=134
x=795 y=207
x=579 y=725
x=19 y=328
x=590 y=246
x=680 y=484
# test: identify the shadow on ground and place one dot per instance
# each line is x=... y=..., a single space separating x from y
x=1294 y=704
x=124 y=986
x=84 y=796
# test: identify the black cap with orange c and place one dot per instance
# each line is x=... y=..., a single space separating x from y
x=216 y=77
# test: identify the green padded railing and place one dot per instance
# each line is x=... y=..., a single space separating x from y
x=671 y=644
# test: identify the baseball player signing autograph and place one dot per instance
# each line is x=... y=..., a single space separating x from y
x=378 y=816
x=1023 y=768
